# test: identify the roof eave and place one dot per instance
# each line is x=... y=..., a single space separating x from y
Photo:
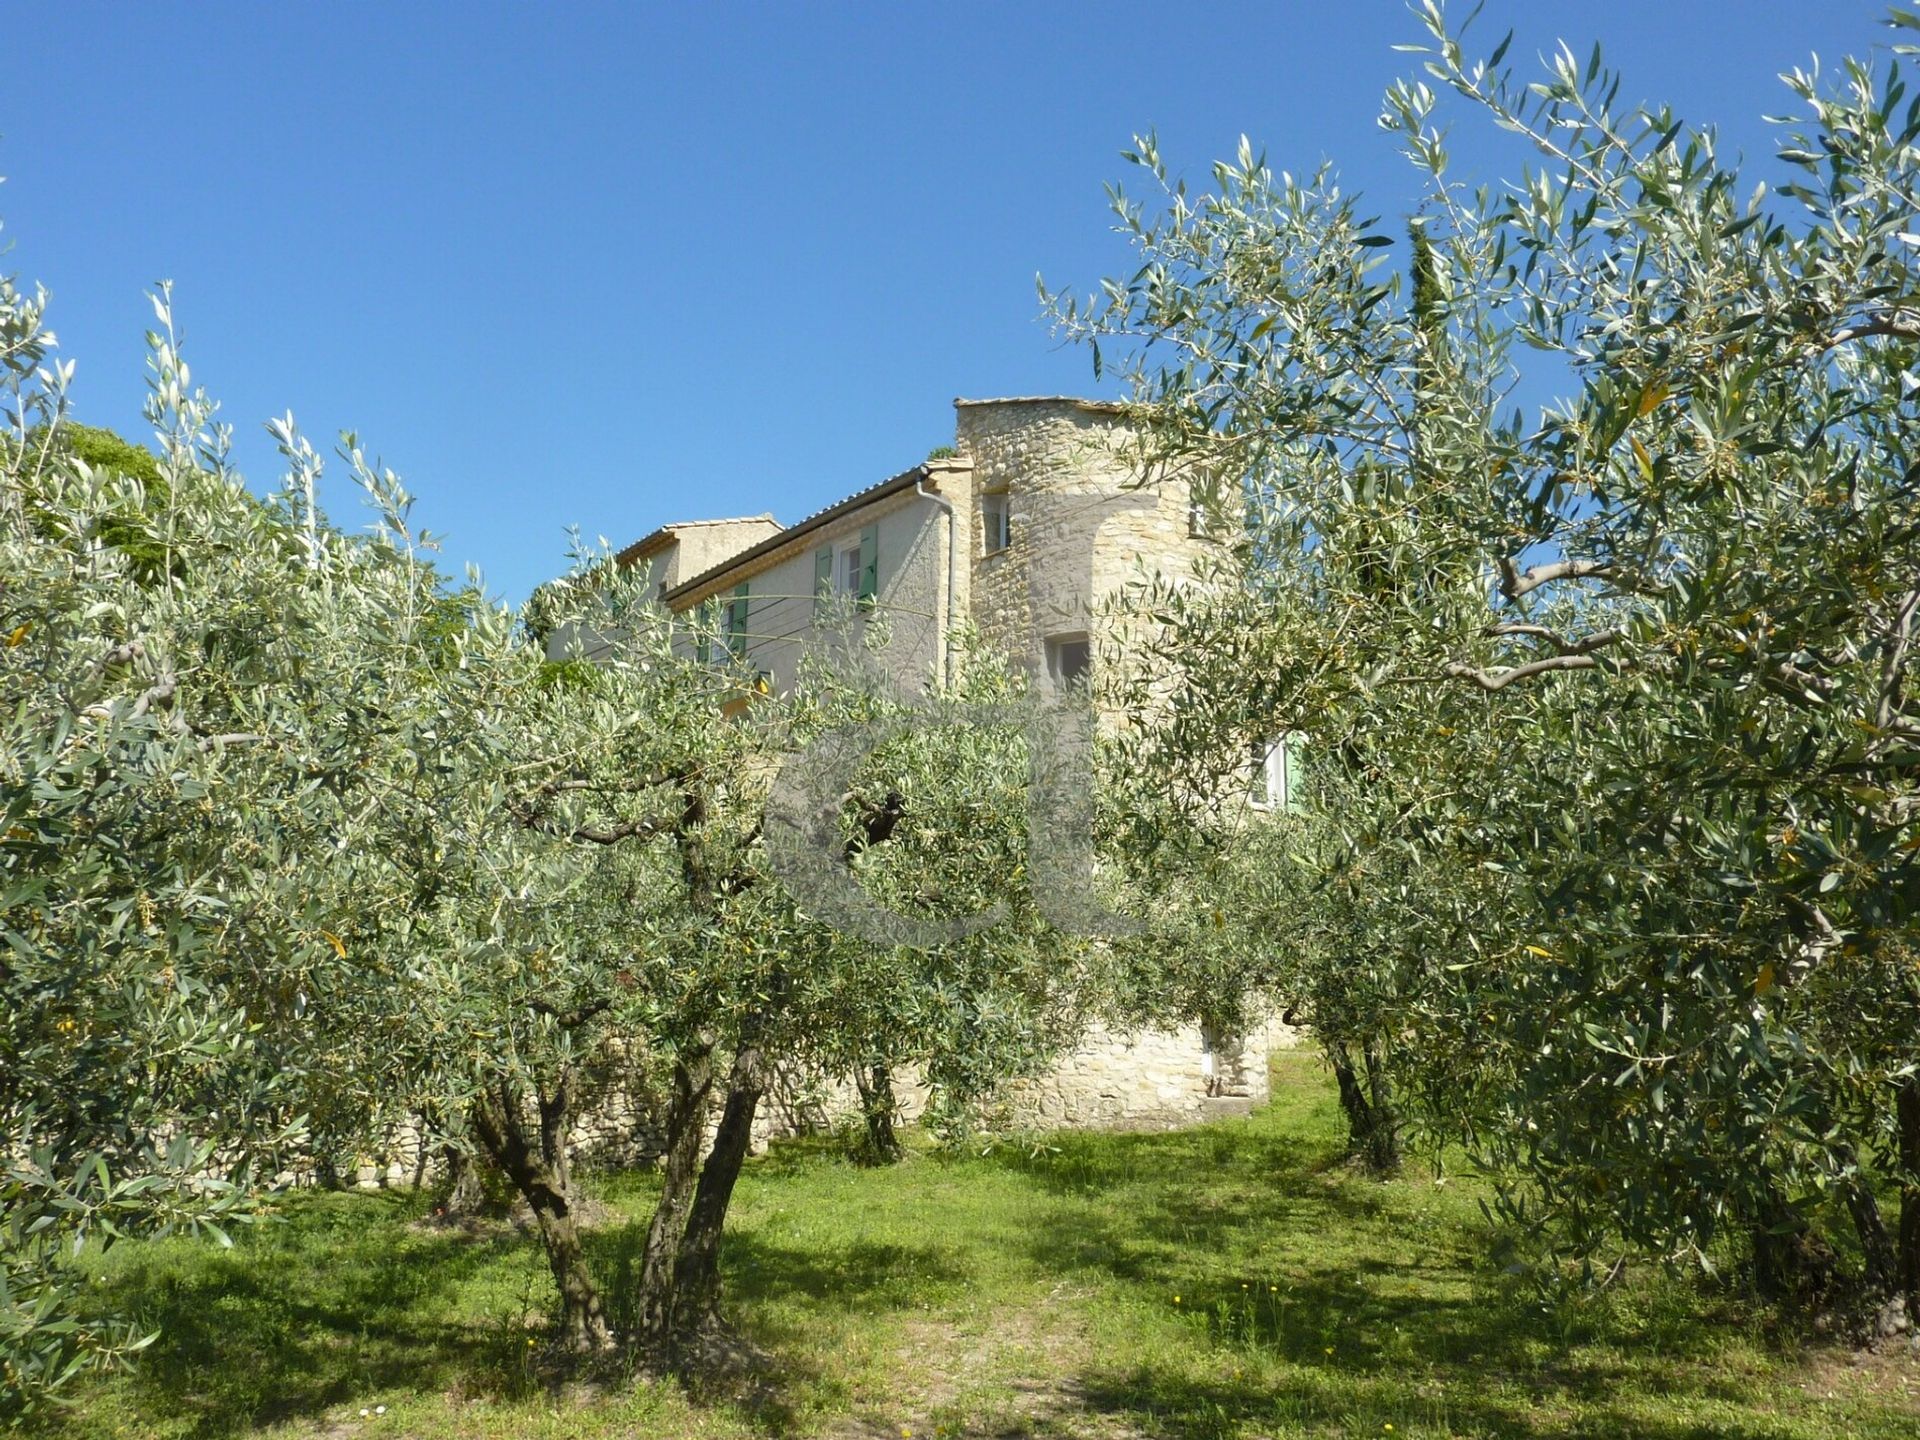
x=893 y=485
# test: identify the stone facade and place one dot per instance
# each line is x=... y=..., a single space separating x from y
x=1082 y=523
x=1025 y=530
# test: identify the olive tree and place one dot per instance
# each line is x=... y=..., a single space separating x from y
x=195 y=680
x=1680 y=600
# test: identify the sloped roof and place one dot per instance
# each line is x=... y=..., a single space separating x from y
x=893 y=483
x=659 y=539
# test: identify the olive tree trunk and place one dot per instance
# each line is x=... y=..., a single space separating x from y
x=878 y=1108
x=1907 y=1115
x=540 y=1175
x=686 y=1122
x=679 y=1283
x=1366 y=1094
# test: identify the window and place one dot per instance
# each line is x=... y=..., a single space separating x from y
x=704 y=621
x=737 y=622
x=850 y=568
x=846 y=569
x=1274 y=781
x=1199 y=513
x=996 y=522
x=1069 y=659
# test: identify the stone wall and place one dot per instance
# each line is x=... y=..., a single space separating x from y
x=1113 y=1079
x=1084 y=523
x=1146 y=1079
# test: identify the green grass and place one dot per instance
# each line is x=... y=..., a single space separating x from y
x=1018 y=1293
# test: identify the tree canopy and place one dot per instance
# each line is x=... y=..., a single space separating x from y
x=1616 y=853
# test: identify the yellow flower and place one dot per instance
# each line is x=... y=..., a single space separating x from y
x=1176 y=1299
x=1329 y=1349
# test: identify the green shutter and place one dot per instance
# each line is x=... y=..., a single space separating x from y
x=869 y=565
x=1291 y=800
x=702 y=620
x=737 y=622
x=822 y=580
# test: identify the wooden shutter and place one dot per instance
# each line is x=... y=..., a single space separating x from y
x=822 y=580
x=737 y=621
x=869 y=565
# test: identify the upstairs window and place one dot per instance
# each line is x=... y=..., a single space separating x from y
x=1199 y=513
x=996 y=522
x=850 y=569
x=1275 y=778
x=1069 y=660
x=737 y=622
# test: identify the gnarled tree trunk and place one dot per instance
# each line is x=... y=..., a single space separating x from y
x=541 y=1178
x=465 y=1195
x=696 y=1271
x=1366 y=1094
x=1790 y=1262
x=878 y=1108
x=680 y=1166
x=1879 y=1256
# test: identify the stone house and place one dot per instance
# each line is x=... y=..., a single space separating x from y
x=1034 y=517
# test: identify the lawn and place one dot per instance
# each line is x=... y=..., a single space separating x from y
x=1235 y=1280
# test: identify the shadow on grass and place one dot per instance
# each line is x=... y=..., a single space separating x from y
x=349 y=1300
x=344 y=1301
x=1358 y=1304
x=1349 y=1304
x=1169 y=1407
x=859 y=1277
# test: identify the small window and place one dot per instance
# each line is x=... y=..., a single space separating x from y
x=846 y=569
x=737 y=613
x=1273 y=780
x=996 y=523
x=1069 y=660
x=1199 y=514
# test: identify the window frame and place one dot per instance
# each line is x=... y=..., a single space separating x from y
x=1272 y=762
x=996 y=503
x=1056 y=647
x=847 y=552
x=1199 y=514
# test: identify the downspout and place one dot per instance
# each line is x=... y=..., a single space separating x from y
x=953 y=574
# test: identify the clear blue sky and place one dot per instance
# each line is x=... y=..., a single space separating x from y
x=615 y=265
